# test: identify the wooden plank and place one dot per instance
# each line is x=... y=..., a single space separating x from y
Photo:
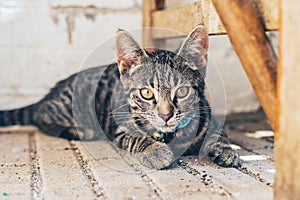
x=287 y=140
x=118 y=174
x=240 y=185
x=15 y=176
x=15 y=148
x=177 y=183
x=183 y=19
x=122 y=176
x=15 y=182
x=118 y=179
x=62 y=176
x=253 y=48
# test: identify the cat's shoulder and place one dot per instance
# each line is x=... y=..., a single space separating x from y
x=83 y=77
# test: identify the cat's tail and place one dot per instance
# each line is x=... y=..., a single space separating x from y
x=21 y=116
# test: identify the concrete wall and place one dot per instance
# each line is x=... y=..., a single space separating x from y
x=42 y=42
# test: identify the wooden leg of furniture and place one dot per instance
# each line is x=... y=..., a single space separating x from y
x=254 y=49
x=150 y=6
x=287 y=150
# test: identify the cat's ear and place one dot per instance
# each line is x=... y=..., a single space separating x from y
x=129 y=53
x=195 y=47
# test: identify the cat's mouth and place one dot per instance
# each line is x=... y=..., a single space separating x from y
x=167 y=128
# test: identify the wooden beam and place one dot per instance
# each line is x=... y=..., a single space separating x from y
x=150 y=6
x=183 y=19
x=254 y=49
x=287 y=151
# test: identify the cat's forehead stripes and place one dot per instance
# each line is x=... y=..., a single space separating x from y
x=167 y=77
x=163 y=77
x=163 y=63
x=163 y=69
x=163 y=57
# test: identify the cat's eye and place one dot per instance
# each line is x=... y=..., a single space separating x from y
x=182 y=92
x=146 y=93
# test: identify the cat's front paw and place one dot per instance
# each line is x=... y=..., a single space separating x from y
x=223 y=155
x=157 y=155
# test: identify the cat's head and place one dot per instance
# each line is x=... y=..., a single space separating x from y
x=164 y=88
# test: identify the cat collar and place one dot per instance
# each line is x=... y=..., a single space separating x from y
x=160 y=136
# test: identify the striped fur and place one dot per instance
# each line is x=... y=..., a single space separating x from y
x=108 y=101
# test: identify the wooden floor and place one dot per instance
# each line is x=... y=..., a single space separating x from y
x=36 y=166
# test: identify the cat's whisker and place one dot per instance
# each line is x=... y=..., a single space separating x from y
x=123 y=119
x=119 y=115
x=123 y=122
x=120 y=107
x=116 y=112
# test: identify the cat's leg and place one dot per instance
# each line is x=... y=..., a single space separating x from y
x=218 y=149
x=150 y=153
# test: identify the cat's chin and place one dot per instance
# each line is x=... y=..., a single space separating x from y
x=166 y=129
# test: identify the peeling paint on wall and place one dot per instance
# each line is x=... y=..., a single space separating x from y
x=70 y=21
x=90 y=12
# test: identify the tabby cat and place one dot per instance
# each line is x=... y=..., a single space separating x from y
x=150 y=104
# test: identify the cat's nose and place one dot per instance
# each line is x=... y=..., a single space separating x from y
x=166 y=117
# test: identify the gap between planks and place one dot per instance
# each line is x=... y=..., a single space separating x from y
x=85 y=167
x=86 y=157
x=36 y=178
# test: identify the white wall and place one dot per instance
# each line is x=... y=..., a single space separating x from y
x=42 y=42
